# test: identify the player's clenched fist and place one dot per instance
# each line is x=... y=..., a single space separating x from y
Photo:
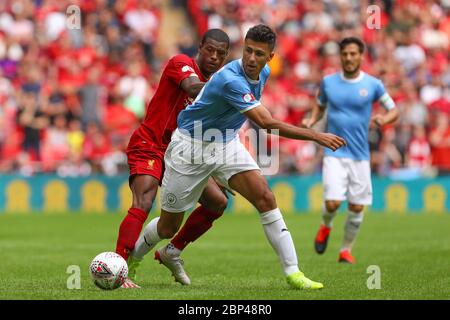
x=330 y=140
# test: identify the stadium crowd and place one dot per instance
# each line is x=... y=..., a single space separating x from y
x=71 y=97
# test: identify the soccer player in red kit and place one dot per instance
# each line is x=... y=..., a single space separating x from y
x=181 y=81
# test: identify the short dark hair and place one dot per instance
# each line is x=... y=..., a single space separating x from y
x=262 y=33
x=216 y=34
x=349 y=40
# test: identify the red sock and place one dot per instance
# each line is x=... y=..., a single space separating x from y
x=129 y=231
x=199 y=221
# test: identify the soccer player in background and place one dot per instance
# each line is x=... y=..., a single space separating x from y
x=181 y=81
x=348 y=97
x=208 y=130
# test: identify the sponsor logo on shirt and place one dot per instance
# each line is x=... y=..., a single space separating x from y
x=248 y=97
x=187 y=69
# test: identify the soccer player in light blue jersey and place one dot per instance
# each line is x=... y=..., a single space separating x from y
x=348 y=97
x=206 y=144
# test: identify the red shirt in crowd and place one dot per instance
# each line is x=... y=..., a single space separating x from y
x=119 y=119
x=441 y=151
x=419 y=153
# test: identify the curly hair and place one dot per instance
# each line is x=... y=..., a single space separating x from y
x=216 y=34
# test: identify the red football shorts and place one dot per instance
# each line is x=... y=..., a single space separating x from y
x=145 y=158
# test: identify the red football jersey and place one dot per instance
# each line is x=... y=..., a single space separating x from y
x=169 y=100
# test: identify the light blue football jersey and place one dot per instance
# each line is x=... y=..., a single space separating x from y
x=218 y=111
x=349 y=104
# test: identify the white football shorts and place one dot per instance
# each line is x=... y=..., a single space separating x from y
x=190 y=162
x=347 y=179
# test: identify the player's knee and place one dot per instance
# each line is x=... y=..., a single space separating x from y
x=215 y=202
x=357 y=208
x=219 y=205
x=144 y=199
x=266 y=201
x=332 y=206
x=143 y=203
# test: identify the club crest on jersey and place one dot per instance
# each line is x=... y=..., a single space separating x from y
x=188 y=101
x=171 y=199
x=150 y=164
x=187 y=68
x=363 y=92
x=248 y=97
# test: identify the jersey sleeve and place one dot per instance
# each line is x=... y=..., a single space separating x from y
x=239 y=95
x=321 y=95
x=383 y=97
x=179 y=68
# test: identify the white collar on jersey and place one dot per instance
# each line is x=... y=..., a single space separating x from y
x=357 y=79
x=246 y=77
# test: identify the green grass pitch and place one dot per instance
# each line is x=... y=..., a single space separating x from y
x=232 y=261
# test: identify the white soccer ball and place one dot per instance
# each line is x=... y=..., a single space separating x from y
x=108 y=270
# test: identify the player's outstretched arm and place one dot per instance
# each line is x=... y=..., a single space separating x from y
x=192 y=86
x=262 y=117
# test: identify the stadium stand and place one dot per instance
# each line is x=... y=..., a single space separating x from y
x=70 y=98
